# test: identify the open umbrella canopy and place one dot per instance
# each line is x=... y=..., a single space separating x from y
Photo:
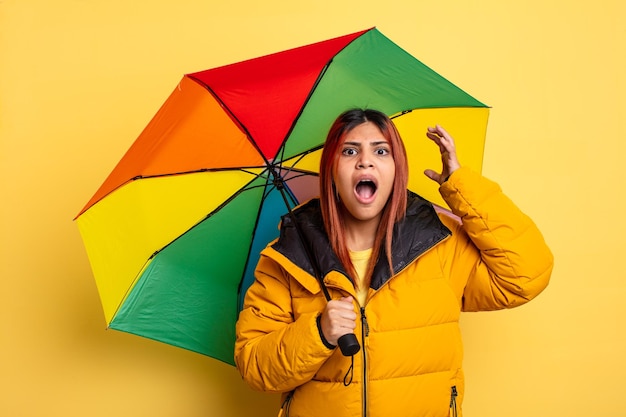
x=174 y=232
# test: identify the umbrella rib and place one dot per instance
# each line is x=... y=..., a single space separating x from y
x=402 y=113
x=405 y=112
x=313 y=88
x=156 y=252
x=304 y=104
x=215 y=210
x=194 y=171
x=171 y=174
x=130 y=287
x=301 y=156
x=256 y=224
x=232 y=116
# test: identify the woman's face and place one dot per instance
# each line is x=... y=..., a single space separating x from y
x=364 y=173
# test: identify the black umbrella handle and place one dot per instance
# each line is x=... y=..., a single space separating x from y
x=348 y=344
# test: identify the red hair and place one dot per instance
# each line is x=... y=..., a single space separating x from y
x=332 y=208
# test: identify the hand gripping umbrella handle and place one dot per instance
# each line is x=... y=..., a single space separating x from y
x=348 y=343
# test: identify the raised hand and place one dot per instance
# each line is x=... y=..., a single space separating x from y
x=447 y=148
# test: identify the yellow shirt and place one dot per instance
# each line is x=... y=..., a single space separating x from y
x=360 y=259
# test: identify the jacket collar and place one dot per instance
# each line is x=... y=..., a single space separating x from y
x=419 y=231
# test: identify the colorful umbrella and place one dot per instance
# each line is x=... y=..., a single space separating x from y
x=174 y=232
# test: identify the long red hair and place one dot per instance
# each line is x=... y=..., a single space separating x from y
x=332 y=208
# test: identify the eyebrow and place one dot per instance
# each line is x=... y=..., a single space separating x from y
x=375 y=143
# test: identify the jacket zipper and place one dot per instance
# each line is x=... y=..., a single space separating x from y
x=453 y=395
x=284 y=408
x=365 y=331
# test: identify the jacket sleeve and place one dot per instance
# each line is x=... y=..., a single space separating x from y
x=274 y=352
x=498 y=247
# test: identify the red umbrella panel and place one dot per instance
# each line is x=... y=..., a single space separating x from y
x=174 y=232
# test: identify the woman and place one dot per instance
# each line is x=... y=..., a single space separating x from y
x=399 y=273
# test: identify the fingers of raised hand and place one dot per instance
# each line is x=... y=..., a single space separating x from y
x=440 y=136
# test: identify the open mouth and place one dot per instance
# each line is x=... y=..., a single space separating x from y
x=365 y=189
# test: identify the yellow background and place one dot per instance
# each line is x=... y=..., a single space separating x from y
x=79 y=80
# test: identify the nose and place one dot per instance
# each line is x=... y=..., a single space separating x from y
x=364 y=161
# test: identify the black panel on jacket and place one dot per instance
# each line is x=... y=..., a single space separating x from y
x=420 y=230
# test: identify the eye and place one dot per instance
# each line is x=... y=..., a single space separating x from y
x=349 y=151
x=382 y=151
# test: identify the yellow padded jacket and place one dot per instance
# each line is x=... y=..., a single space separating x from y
x=410 y=363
